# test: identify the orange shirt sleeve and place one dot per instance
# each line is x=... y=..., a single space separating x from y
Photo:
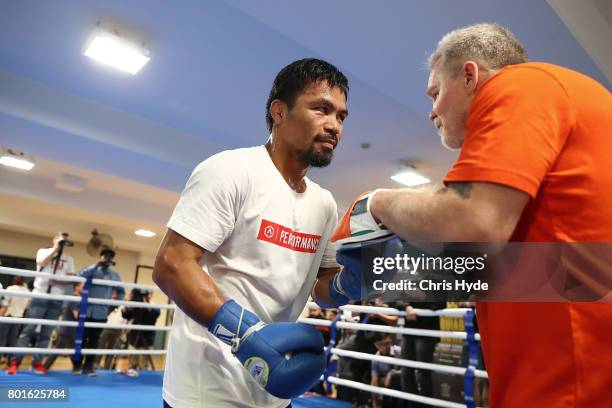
x=516 y=127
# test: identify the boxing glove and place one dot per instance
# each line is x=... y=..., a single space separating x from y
x=286 y=359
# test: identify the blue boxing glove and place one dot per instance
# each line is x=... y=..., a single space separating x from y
x=354 y=282
x=286 y=359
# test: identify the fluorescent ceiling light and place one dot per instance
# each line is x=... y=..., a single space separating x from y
x=18 y=160
x=145 y=233
x=410 y=178
x=116 y=51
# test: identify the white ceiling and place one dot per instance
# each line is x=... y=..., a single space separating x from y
x=135 y=139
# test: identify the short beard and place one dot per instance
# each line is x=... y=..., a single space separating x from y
x=317 y=159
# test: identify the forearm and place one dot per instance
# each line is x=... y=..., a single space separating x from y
x=321 y=293
x=389 y=320
x=45 y=261
x=193 y=291
x=426 y=214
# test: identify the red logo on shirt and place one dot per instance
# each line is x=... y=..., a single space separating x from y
x=287 y=238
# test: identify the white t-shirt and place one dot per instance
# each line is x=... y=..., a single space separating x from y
x=65 y=266
x=16 y=305
x=265 y=244
x=116 y=316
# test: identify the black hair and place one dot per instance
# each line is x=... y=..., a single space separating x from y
x=295 y=77
x=108 y=251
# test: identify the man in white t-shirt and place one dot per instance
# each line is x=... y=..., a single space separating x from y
x=48 y=260
x=245 y=246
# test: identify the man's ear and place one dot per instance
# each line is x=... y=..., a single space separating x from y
x=471 y=75
x=278 y=111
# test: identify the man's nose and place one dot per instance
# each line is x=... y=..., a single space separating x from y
x=333 y=125
x=432 y=116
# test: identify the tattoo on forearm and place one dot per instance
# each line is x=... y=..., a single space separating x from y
x=462 y=188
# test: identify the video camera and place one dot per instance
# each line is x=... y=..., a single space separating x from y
x=65 y=242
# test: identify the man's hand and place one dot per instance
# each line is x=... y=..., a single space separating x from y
x=286 y=359
x=410 y=313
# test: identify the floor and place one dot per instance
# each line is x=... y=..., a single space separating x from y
x=110 y=389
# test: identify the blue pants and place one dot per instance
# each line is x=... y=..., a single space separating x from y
x=38 y=309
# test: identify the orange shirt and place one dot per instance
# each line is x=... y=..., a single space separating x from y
x=547 y=131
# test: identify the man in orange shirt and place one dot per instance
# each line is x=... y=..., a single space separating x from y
x=534 y=166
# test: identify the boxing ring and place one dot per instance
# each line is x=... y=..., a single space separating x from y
x=110 y=389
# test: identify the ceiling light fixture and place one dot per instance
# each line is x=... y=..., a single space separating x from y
x=111 y=47
x=409 y=177
x=18 y=160
x=70 y=182
x=145 y=233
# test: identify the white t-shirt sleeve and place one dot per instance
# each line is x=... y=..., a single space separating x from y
x=207 y=210
x=329 y=254
x=41 y=254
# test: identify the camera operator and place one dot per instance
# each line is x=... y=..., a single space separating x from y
x=103 y=269
x=48 y=260
x=140 y=339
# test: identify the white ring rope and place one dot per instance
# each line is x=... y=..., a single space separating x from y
x=459 y=312
x=93 y=301
x=389 y=329
x=47 y=322
x=102 y=352
x=389 y=311
x=70 y=278
x=407 y=363
x=394 y=393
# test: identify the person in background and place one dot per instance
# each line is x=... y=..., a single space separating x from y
x=419 y=348
x=363 y=342
x=140 y=339
x=53 y=260
x=13 y=306
x=109 y=339
x=318 y=313
x=103 y=269
x=65 y=336
x=384 y=374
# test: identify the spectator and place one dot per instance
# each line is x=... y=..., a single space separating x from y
x=98 y=313
x=65 y=337
x=317 y=313
x=109 y=339
x=384 y=374
x=13 y=306
x=140 y=339
x=419 y=348
x=48 y=260
x=359 y=370
x=330 y=314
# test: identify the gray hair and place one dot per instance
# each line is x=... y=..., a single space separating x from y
x=491 y=46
